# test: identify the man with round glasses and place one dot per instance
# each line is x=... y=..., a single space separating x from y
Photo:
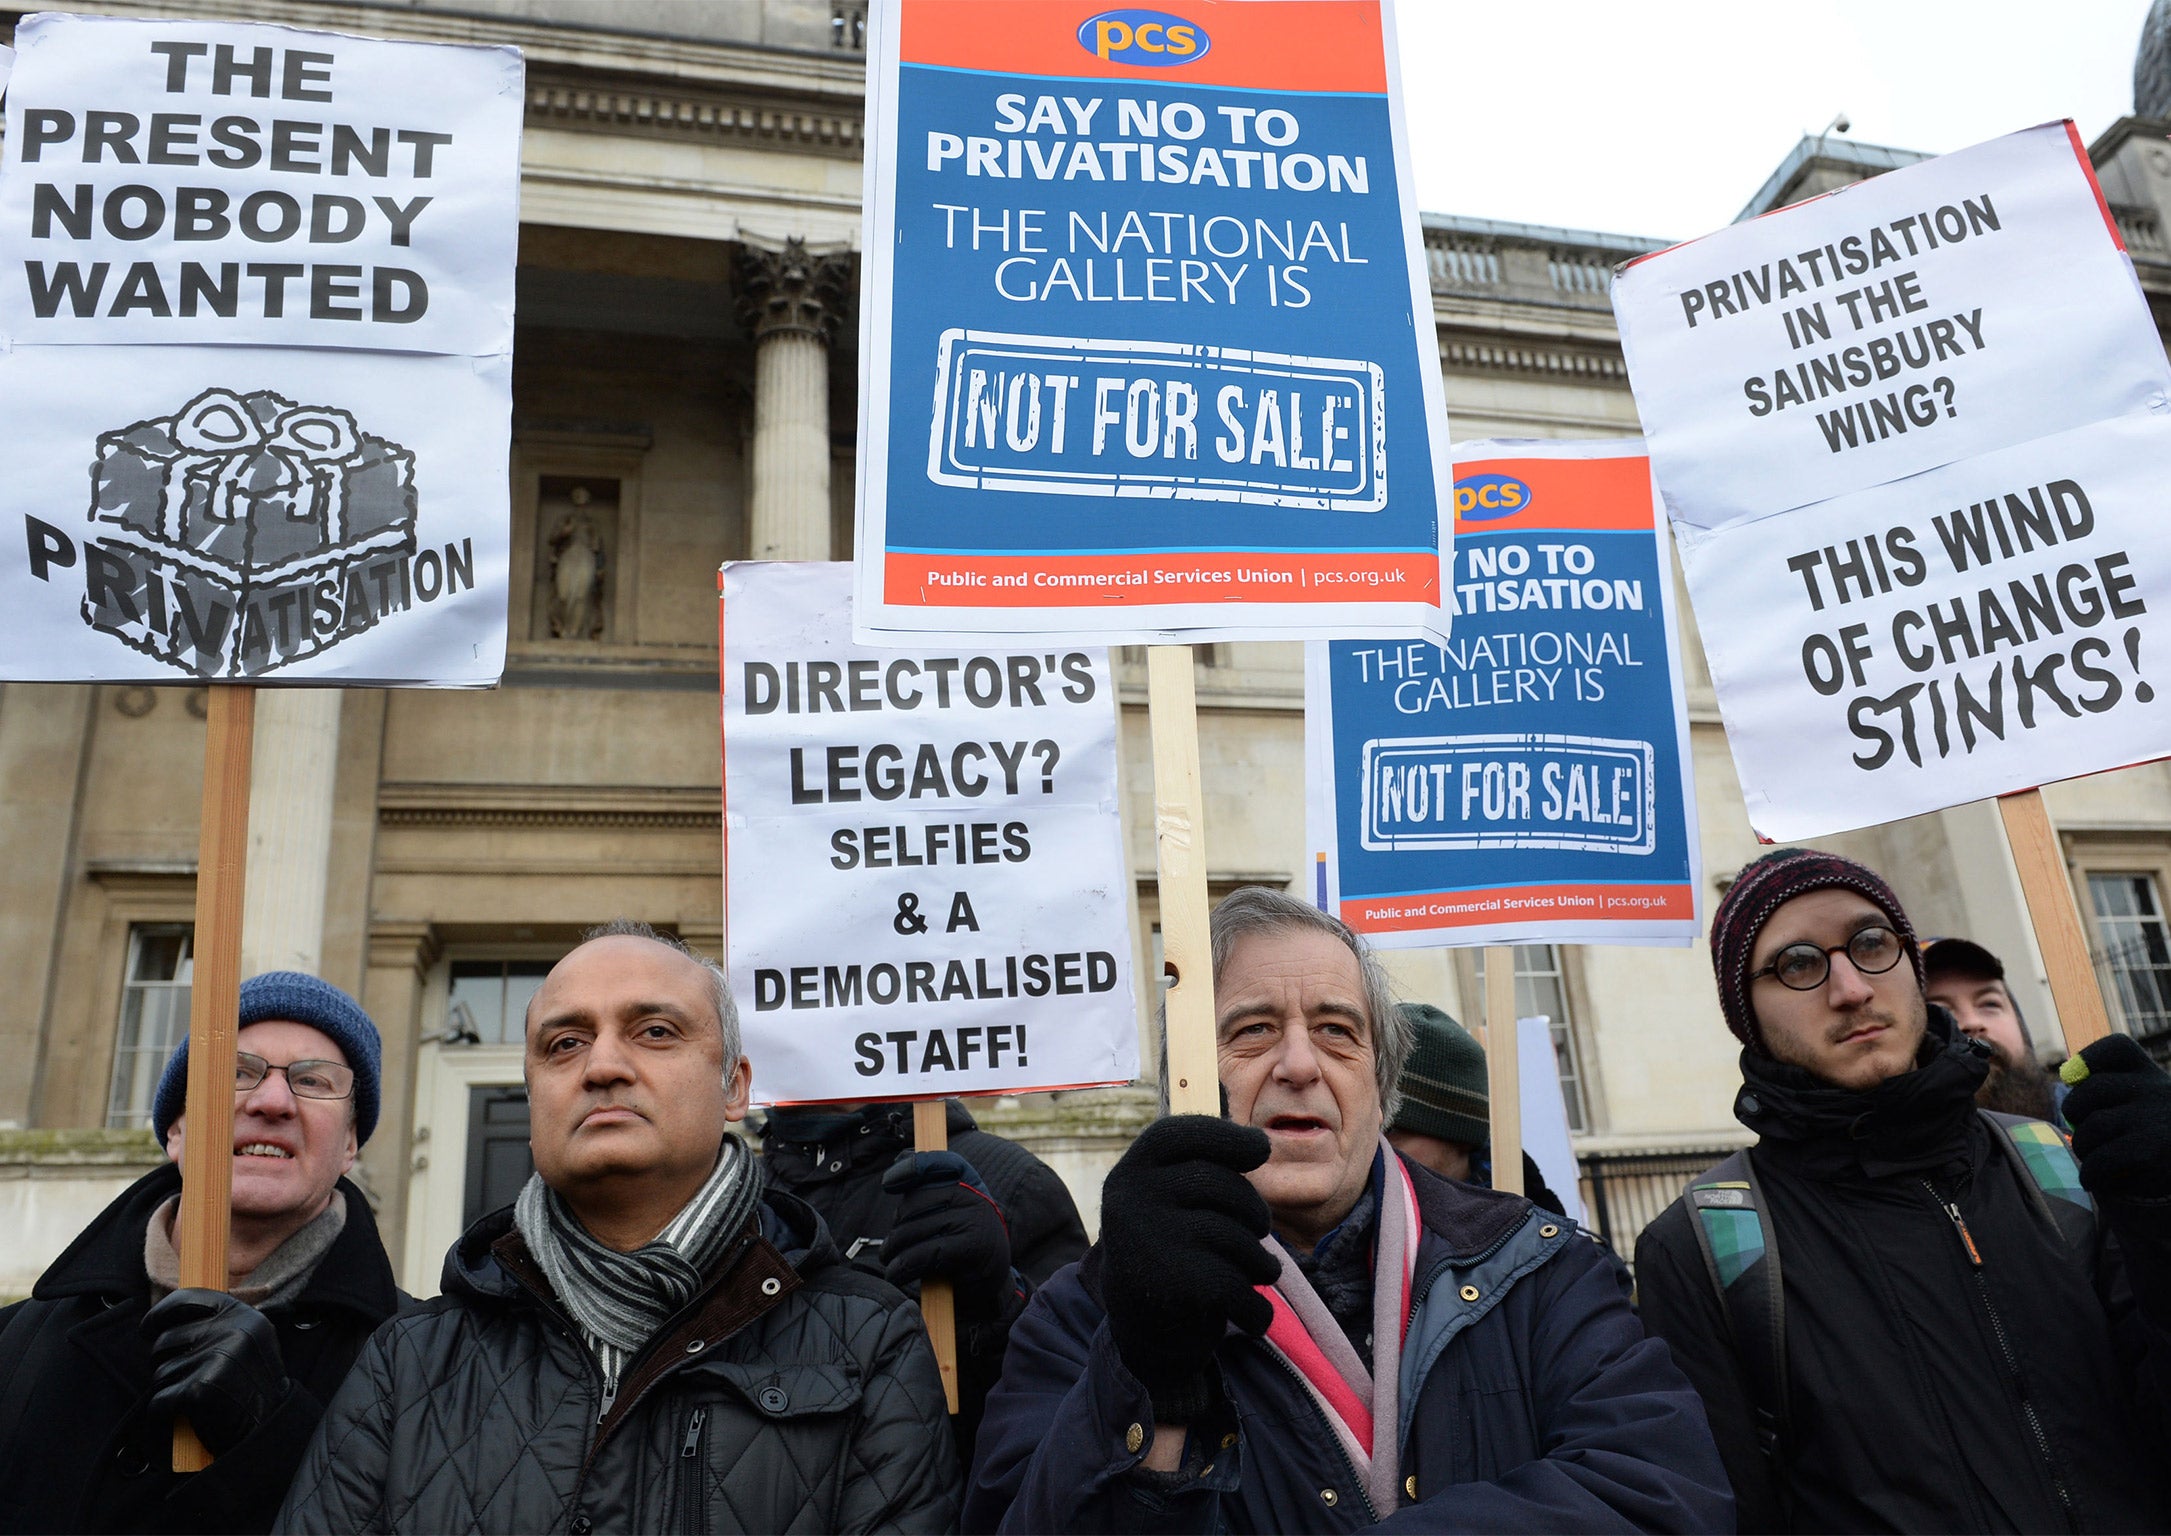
x=110 y=1350
x=1904 y=1313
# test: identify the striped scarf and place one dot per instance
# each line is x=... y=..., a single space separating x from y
x=622 y=1300
x=1361 y=1406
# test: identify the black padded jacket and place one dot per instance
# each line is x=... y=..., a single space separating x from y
x=78 y=1451
x=794 y=1393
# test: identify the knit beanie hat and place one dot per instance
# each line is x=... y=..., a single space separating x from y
x=294 y=998
x=1762 y=888
x=1443 y=1083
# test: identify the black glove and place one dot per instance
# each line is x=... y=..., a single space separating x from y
x=2121 y=1118
x=1181 y=1254
x=215 y=1363
x=948 y=1226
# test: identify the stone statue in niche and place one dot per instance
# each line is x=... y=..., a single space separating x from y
x=576 y=573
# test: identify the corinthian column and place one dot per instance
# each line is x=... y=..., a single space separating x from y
x=292 y=769
x=792 y=301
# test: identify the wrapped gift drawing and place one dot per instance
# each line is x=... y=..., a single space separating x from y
x=246 y=532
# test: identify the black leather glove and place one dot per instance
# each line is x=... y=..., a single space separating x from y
x=216 y=1363
x=1181 y=1255
x=948 y=1226
x=2121 y=1118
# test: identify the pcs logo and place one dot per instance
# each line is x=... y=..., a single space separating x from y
x=1487 y=498
x=1152 y=38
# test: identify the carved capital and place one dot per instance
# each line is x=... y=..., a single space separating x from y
x=794 y=289
x=397 y=945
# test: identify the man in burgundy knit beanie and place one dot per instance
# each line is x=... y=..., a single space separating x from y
x=1762 y=888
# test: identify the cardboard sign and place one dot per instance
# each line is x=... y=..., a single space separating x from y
x=923 y=860
x=1146 y=326
x=1913 y=320
x=255 y=354
x=1907 y=434
x=1545 y=1115
x=1529 y=779
x=1980 y=629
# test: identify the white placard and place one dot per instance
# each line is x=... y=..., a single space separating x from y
x=256 y=290
x=237 y=184
x=1972 y=631
x=1545 y=1114
x=7 y=66
x=366 y=536
x=1902 y=323
x=923 y=859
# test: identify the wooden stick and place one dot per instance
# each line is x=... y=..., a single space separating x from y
x=1179 y=834
x=1503 y=1063
x=207 y=1143
x=2057 y=919
x=938 y=1303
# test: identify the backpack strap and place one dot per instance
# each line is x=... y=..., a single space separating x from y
x=1727 y=1211
x=2049 y=1173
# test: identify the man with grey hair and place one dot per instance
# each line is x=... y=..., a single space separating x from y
x=646 y=1340
x=1286 y=1326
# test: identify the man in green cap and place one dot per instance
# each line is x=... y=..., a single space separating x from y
x=1445 y=1121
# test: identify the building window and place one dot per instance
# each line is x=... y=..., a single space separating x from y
x=2136 y=954
x=488 y=1004
x=154 y=1018
x=1541 y=987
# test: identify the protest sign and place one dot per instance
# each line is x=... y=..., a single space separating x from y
x=1545 y=1114
x=256 y=293
x=7 y=66
x=1902 y=323
x=1145 y=326
x=1979 y=629
x=1908 y=607
x=923 y=859
x=1527 y=780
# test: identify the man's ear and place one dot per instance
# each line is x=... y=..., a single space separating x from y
x=173 y=1140
x=739 y=1090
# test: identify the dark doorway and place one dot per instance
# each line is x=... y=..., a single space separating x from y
x=497 y=1149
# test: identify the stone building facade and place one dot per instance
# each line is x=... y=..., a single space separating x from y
x=684 y=394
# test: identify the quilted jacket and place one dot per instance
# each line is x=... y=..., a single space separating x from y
x=1530 y=1401
x=794 y=1394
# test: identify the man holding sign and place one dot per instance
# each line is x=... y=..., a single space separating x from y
x=646 y=1340
x=95 y=1366
x=1400 y=1343
x=1919 y=1322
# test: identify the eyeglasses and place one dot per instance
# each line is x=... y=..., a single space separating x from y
x=1803 y=967
x=307 y=1079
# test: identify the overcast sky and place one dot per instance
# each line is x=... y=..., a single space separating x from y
x=1663 y=117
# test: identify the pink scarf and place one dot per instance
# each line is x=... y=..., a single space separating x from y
x=1360 y=1405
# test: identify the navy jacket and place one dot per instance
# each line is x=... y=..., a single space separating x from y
x=1530 y=1401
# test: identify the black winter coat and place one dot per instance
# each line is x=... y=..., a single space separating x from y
x=1925 y=1393
x=77 y=1450
x=1530 y=1401
x=792 y=1394
x=841 y=1177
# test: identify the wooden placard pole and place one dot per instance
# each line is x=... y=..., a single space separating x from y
x=207 y=1149
x=2057 y=920
x=1179 y=835
x=938 y=1303
x=1503 y=1068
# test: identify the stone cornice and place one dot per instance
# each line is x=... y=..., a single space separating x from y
x=1473 y=355
x=659 y=108
x=838 y=77
x=527 y=807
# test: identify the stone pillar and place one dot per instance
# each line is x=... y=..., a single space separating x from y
x=792 y=301
x=294 y=767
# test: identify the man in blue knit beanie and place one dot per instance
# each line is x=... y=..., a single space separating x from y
x=111 y=1349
